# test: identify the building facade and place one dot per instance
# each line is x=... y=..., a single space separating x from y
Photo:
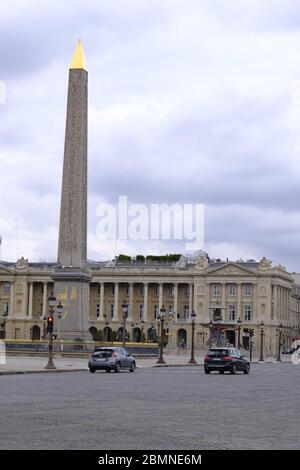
x=243 y=294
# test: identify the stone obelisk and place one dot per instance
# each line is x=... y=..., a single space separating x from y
x=71 y=277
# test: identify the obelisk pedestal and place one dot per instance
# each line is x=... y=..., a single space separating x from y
x=71 y=277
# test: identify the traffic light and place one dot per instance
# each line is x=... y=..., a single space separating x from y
x=251 y=332
x=49 y=324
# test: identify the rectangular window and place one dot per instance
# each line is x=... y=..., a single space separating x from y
x=232 y=289
x=186 y=312
x=98 y=310
x=186 y=291
x=156 y=290
x=141 y=311
x=113 y=289
x=247 y=289
x=112 y=309
x=6 y=288
x=155 y=311
x=232 y=312
x=171 y=309
x=127 y=289
x=142 y=289
x=172 y=290
x=216 y=289
x=247 y=312
x=98 y=289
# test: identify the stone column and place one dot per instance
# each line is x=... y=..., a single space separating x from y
x=30 y=300
x=223 y=295
x=276 y=302
x=116 y=302
x=145 y=301
x=101 y=302
x=254 y=302
x=191 y=306
x=239 y=313
x=45 y=298
x=160 y=296
x=130 y=307
x=175 y=301
x=11 y=299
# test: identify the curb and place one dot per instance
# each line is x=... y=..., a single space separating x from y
x=39 y=371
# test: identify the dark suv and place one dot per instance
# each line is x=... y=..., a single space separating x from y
x=226 y=359
x=111 y=358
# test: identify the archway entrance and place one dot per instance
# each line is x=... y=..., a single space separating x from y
x=93 y=331
x=107 y=334
x=137 y=335
x=230 y=337
x=120 y=334
x=36 y=333
x=181 y=338
x=151 y=335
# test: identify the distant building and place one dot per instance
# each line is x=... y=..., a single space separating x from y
x=250 y=291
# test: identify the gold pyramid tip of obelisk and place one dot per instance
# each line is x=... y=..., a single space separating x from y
x=78 y=60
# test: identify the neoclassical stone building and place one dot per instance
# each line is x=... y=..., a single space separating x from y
x=248 y=291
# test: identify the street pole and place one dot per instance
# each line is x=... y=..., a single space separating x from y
x=279 y=342
x=239 y=332
x=52 y=300
x=192 y=360
x=161 y=343
x=262 y=341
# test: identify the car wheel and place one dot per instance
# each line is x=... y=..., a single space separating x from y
x=221 y=372
x=117 y=367
x=132 y=368
x=108 y=370
x=207 y=371
x=233 y=369
x=92 y=370
x=247 y=369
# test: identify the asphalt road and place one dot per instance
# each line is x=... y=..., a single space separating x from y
x=169 y=408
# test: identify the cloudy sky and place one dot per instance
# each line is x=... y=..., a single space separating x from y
x=190 y=101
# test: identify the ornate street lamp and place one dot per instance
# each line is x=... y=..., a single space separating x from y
x=239 y=321
x=50 y=321
x=192 y=360
x=124 y=316
x=161 y=318
x=59 y=308
x=262 y=341
x=279 y=330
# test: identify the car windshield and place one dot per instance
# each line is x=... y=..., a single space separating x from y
x=218 y=352
x=103 y=353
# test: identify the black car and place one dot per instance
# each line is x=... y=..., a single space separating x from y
x=225 y=359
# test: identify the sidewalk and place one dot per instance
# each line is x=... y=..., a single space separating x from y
x=26 y=364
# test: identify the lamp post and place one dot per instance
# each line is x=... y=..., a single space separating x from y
x=262 y=341
x=124 y=316
x=192 y=360
x=210 y=333
x=59 y=308
x=161 y=318
x=142 y=330
x=279 y=341
x=239 y=321
x=50 y=321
